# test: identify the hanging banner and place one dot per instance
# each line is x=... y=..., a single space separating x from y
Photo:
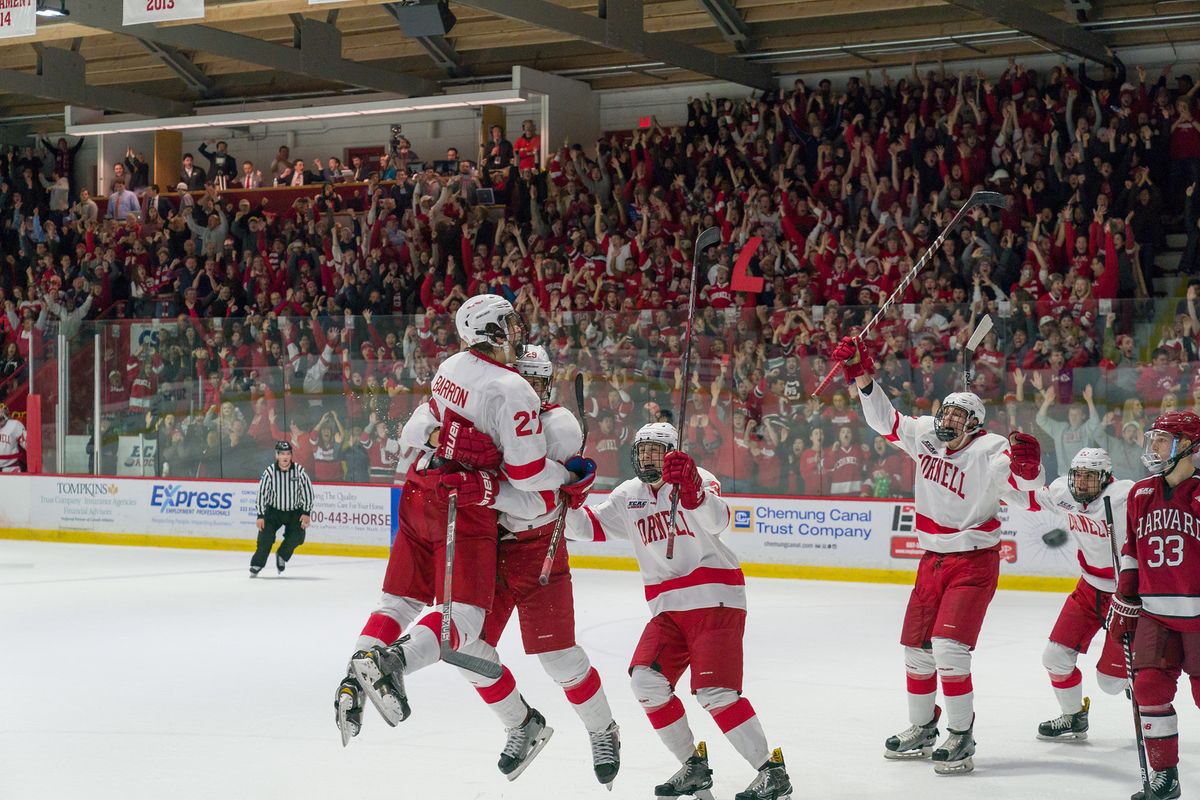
x=141 y=11
x=17 y=18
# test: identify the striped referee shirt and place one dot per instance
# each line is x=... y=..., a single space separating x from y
x=285 y=491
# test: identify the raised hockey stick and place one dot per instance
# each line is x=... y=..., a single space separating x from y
x=480 y=666
x=707 y=238
x=973 y=202
x=560 y=524
x=982 y=329
x=1128 y=650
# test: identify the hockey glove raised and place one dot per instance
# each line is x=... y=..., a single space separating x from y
x=679 y=468
x=1026 y=455
x=1122 y=617
x=576 y=493
x=462 y=443
x=474 y=488
x=855 y=360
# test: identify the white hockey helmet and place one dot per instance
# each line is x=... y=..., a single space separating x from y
x=484 y=319
x=1090 y=472
x=968 y=402
x=535 y=363
x=662 y=433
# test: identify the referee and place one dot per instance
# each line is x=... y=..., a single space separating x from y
x=285 y=500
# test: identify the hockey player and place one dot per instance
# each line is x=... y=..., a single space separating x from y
x=698 y=603
x=1076 y=500
x=12 y=442
x=477 y=386
x=547 y=613
x=1158 y=590
x=962 y=474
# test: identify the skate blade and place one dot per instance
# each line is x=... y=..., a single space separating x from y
x=702 y=794
x=368 y=674
x=1066 y=737
x=538 y=744
x=954 y=767
x=345 y=726
x=908 y=755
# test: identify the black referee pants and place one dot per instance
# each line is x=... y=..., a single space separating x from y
x=293 y=535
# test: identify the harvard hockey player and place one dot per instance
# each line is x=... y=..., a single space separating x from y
x=698 y=603
x=1076 y=501
x=1158 y=590
x=547 y=613
x=480 y=387
x=962 y=474
x=12 y=442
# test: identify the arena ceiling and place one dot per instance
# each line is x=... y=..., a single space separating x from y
x=281 y=49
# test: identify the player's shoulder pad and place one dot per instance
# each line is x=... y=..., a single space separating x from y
x=1146 y=487
x=563 y=433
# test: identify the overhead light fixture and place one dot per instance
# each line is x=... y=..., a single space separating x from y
x=45 y=9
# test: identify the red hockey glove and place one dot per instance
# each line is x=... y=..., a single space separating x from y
x=576 y=493
x=1122 y=617
x=679 y=468
x=855 y=360
x=474 y=488
x=462 y=443
x=1026 y=455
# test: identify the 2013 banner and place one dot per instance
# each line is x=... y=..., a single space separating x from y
x=140 y=11
x=17 y=18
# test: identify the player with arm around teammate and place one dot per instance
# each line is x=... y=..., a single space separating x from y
x=962 y=474
x=698 y=605
x=1158 y=590
x=1076 y=501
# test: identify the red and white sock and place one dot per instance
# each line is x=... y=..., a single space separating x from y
x=959 y=696
x=922 y=698
x=588 y=699
x=1161 y=729
x=388 y=621
x=1069 y=691
x=741 y=727
x=502 y=698
x=671 y=725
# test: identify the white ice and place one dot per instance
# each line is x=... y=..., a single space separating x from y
x=146 y=673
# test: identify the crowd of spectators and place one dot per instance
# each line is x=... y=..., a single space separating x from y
x=324 y=323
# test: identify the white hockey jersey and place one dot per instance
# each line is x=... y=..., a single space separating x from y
x=12 y=444
x=957 y=492
x=1088 y=526
x=500 y=403
x=704 y=573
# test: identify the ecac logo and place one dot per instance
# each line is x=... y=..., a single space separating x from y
x=743 y=518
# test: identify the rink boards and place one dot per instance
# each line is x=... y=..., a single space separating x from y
x=832 y=539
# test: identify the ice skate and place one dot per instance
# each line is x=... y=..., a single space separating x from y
x=694 y=778
x=524 y=743
x=279 y=563
x=254 y=571
x=348 y=708
x=772 y=782
x=380 y=673
x=915 y=742
x=954 y=755
x=1068 y=727
x=1163 y=786
x=606 y=754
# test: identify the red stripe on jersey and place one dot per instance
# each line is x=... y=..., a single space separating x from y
x=1034 y=505
x=894 y=436
x=729 y=718
x=1105 y=573
x=502 y=688
x=549 y=499
x=597 y=531
x=586 y=690
x=927 y=525
x=437 y=414
x=697 y=577
x=519 y=472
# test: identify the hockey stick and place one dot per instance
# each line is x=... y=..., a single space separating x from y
x=1128 y=650
x=974 y=201
x=480 y=666
x=707 y=238
x=982 y=329
x=560 y=524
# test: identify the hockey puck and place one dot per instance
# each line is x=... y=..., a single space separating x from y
x=1054 y=538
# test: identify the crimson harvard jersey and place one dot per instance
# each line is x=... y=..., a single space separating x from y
x=1163 y=547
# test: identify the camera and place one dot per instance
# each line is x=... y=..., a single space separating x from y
x=394 y=142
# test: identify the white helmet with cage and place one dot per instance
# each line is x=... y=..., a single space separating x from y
x=968 y=402
x=534 y=364
x=1090 y=472
x=660 y=433
x=485 y=318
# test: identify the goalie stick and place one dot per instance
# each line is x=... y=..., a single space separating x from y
x=973 y=202
x=480 y=666
x=707 y=238
x=561 y=523
x=968 y=358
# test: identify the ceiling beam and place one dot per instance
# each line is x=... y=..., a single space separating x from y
x=319 y=55
x=60 y=76
x=181 y=65
x=624 y=29
x=729 y=22
x=1055 y=32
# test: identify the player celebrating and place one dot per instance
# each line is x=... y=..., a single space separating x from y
x=477 y=386
x=1158 y=590
x=12 y=442
x=962 y=474
x=698 y=602
x=1076 y=500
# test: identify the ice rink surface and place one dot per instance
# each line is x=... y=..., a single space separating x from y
x=147 y=673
